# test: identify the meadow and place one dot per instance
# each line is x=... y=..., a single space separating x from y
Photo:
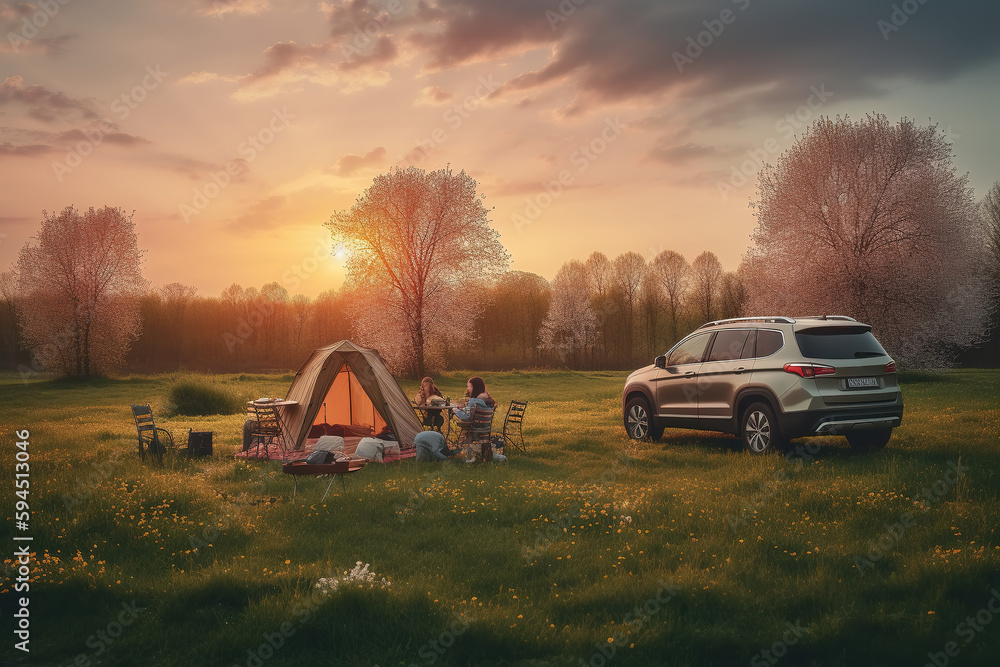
x=589 y=550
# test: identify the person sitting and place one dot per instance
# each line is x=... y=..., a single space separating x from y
x=428 y=391
x=431 y=447
x=476 y=396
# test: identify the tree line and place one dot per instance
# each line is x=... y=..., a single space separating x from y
x=636 y=309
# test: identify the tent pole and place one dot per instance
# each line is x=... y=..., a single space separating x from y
x=350 y=399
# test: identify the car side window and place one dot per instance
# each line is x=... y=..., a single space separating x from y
x=728 y=345
x=690 y=351
x=768 y=342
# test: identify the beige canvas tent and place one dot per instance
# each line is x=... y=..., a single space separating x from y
x=345 y=383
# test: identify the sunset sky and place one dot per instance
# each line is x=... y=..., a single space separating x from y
x=235 y=129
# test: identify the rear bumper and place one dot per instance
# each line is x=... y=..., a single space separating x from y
x=839 y=421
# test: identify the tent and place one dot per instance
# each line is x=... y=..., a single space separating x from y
x=347 y=384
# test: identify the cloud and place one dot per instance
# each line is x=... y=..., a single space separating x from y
x=680 y=153
x=668 y=152
x=434 y=96
x=287 y=55
x=22 y=34
x=29 y=143
x=199 y=170
x=362 y=44
x=112 y=137
x=606 y=53
x=465 y=31
x=506 y=188
x=29 y=150
x=221 y=8
x=44 y=104
x=205 y=77
x=383 y=53
x=349 y=164
x=262 y=215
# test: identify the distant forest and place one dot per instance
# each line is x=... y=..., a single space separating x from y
x=250 y=329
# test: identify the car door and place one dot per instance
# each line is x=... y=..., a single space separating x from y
x=723 y=373
x=677 y=384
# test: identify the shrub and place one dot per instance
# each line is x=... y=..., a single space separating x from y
x=196 y=395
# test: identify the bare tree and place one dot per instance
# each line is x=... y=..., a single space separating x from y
x=301 y=312
x=869 y=219
x=570 y=328
x=732 y=295
x=628 y=270
x=423 y=240
x=651 y=304
x=602 y=301
x=673 y=275
x=599 y=272
x=80 y=283
x=706 y=273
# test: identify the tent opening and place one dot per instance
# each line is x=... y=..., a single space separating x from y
x=347 y=403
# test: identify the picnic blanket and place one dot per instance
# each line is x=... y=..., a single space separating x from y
x=274 y=453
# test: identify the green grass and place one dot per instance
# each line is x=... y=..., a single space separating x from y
x=537 y=562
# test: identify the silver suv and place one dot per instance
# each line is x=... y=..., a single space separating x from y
x=768 y=380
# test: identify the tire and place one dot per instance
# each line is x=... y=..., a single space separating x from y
x=869 y=441
x=759 y=429
x=639 y=422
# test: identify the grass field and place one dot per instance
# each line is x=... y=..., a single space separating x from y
x=591 y=549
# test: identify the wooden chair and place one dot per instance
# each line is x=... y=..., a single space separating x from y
x=512 y=425
x=265 y=427
x=478 y=431
x=149 y=434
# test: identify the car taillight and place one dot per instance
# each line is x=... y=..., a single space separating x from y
x=890 y=367
x=809 y=370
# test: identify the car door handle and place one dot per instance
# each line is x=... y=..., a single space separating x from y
x=739 y=370
x=689 y=374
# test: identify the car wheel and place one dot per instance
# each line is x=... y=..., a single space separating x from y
x=639 y=422
x=760 y=430
x=867 y=441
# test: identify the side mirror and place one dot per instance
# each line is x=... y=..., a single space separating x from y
x=660 y=361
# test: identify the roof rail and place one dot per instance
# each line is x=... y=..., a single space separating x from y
x=769 y=319
x=827 y=317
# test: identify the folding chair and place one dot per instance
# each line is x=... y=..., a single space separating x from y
x=478 y=431
x=512 y=425
x=149 y=434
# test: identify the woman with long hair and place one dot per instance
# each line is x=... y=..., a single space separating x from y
x=429 y=390
x=476 y=395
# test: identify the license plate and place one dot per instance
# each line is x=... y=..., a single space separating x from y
x=862 y=383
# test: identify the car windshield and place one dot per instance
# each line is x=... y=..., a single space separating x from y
x=838 y=343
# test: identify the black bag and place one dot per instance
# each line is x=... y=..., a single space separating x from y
x=319 y=457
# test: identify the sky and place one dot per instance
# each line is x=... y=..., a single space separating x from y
x=234 y=129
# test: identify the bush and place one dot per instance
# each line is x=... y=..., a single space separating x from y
x=196 y=396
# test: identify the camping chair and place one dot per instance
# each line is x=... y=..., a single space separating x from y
x=512 y=425
x=478 y=431
x=265 y=426
x=149 y=434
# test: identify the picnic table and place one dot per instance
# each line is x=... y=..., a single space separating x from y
x=338 y=468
